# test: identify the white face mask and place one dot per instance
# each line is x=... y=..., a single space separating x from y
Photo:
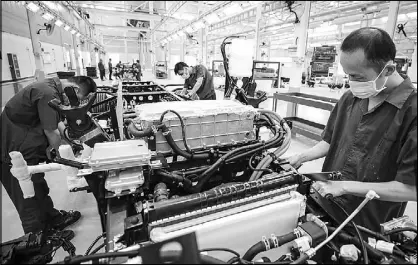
x=367 y=89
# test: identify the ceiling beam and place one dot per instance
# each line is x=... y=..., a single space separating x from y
x=120 y=28
x=141 y=5
x=125 y=15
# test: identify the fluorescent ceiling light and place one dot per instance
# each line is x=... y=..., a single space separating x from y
x=67 y=27
x=47 y=16
x=180 y=33
x=199 y=25
x=169 y=38
x=32 y=7
x=73 y=31
x=189 y=29
x=174 y=36
x=59 y=23
x=78 y=34
x=212 y=18
x=232 y=9
x=50 y=4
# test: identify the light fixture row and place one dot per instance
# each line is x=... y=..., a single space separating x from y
x=58 y=22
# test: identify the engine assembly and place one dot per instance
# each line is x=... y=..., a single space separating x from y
x=203 y=174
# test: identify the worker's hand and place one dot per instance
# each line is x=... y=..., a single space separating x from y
x=194 y=96
x=334 y=188
x=295 y=161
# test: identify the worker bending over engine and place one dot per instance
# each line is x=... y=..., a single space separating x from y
x=198 y=79
x=29 y=125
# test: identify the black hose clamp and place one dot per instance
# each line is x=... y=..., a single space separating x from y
x=266 y=243
x=273 y=156
x=165 y=133
x=275 y=240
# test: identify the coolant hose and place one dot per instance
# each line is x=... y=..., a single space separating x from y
x=261 y=246
x=171 y=178
x=183 y=127
x=137 y=133
x=177 y=149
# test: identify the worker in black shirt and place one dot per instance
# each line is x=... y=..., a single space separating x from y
x=101 y=69
x=110 y=69
x=137 y=70
x=371 y=135
x=29 y=125
x=198 y=79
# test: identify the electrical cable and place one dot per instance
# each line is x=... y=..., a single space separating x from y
x=402 y=229
x=360 y=237
x=98 y=248
x=67 y=138
x=94 y=243
x=220 y=249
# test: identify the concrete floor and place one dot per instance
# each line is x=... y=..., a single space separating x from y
x=88 y=227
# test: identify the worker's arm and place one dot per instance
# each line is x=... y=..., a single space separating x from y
x=54 y=138
x=196 y=87
x=200 y=74
x=49 y=118
x=401 y=189
x=320 y=149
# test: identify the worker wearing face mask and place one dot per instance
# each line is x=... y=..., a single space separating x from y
x=371 y=135
x=198 y=79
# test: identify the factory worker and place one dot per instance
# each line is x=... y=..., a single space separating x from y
x=371 y=135
x=29 y=125
x=198 y=79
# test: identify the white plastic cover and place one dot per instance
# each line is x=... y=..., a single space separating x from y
x=241 y=57
x=116 y=155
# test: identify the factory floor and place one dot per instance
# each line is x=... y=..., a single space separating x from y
x=89 y=227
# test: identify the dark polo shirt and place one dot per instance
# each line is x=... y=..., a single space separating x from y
x=379 y=145
x=207 y=89
x=26 y=116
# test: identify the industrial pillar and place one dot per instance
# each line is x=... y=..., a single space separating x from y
x=152 y=41
x=39 y=71
x=392 y=17
x=76 y=54
x=126 y=48
x=301 y=36
x=258 y=19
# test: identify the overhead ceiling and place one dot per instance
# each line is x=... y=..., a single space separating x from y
x=112 y=17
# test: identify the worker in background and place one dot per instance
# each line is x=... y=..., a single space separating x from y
x=110 y=69
x=371 y=135
x=101 y=69
x=119 y=70
x=29 y=125
x=198 y=79
x=137 y=70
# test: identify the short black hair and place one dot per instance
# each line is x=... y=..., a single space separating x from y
x=179 y=67
x=376 y=43
x=86 y=84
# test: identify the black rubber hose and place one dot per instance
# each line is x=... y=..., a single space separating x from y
x=171 y=178
x=183 y=127
x=261 y=247
x=360 y=237
x=98 y=248
x=402 y=229
x=94 y=243
x=256 y=169
x=137 y=133
x=177 y=149
x=302 y=259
